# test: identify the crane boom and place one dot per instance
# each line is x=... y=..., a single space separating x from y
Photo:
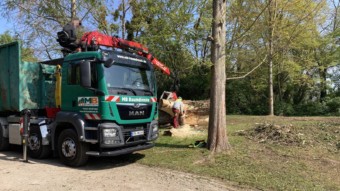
x=67 y=38
x=95 y=39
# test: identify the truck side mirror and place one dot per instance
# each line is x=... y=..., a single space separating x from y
x=108 y=63
x=85 y=74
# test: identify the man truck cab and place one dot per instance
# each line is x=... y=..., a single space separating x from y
x=105 y=104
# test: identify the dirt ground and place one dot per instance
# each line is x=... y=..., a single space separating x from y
x=99 y=174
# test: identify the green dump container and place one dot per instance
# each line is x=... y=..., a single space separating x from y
x=24 y=85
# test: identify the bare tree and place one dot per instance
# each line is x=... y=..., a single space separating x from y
x=125 y=9
x=217 y=135
x=73 y=9
x=272 y=16
x=121 y=14
x=37 y=22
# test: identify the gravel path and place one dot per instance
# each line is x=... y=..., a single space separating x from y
x=98 y=174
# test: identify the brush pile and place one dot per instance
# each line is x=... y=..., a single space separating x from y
x=271 y=133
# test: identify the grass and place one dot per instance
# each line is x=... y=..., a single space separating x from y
x=312 y=165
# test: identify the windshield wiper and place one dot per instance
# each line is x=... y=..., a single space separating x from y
x=149 y=91
x=129 y=89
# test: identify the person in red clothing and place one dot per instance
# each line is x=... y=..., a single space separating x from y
x=177 y=109
x=174 y=95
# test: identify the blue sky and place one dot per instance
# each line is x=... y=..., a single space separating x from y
x=4 y=25
x=8 y=25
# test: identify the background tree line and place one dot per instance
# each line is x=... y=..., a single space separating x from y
x=293 y=44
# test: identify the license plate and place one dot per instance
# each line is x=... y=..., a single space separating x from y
x=137 y=133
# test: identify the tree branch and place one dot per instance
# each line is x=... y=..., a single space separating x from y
x=250 y=26
x=240 y=77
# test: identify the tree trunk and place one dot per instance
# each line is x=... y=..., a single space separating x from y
x=271 y=20
x=323 y=84
x=123 y=19
x=270 y=80
x=217 y=136
x=73 y=9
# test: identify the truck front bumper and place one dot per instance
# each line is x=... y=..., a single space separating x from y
x=121 y=151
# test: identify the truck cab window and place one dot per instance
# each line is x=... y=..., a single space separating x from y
x=94 y=76
x=73 y=74
x=124 y=76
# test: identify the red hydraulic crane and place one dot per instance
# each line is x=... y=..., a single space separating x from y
x=96 y=39
x=92 y=40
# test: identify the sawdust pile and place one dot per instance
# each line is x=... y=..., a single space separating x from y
x=200 y=107
x=195 y=120
x=271 y=133
x=196 y=114
x=184 y=131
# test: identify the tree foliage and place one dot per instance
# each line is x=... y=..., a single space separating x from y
x=26 y=53
x=299 y=37
x=38 y=22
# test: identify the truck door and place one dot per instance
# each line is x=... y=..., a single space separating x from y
x=74 y=96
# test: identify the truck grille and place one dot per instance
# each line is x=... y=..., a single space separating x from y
x=127 y=112
x=131 y=139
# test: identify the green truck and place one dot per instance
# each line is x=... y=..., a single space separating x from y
x=91 y=103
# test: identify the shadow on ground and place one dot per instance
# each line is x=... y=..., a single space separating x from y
x=178 y=146
x=94 y=163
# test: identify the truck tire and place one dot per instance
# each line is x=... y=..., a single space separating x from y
x=4 y=142
x=35 y=147
x=72 y=152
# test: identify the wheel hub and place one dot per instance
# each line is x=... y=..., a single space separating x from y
x=33 y=142
x=69 y=148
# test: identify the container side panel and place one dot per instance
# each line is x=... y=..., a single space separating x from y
x=48 y=86
x=24 y=84
x=37 y=86
x=9 y=76
x=29 y=85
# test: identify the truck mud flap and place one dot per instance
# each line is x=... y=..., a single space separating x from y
x=121 y=151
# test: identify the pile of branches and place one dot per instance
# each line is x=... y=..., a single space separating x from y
x=271 y=133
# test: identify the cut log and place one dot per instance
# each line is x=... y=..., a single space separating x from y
x=166 y=106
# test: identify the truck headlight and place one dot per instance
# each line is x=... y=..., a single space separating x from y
x=155 y=128
x=109 y=132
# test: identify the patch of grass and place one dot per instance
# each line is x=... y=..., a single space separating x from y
x=315 y=165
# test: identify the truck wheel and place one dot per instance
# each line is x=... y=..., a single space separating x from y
x=72 y=152
x=35 y=147
x=4 y=142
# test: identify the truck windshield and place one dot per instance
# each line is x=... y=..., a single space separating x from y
x=131 y=79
